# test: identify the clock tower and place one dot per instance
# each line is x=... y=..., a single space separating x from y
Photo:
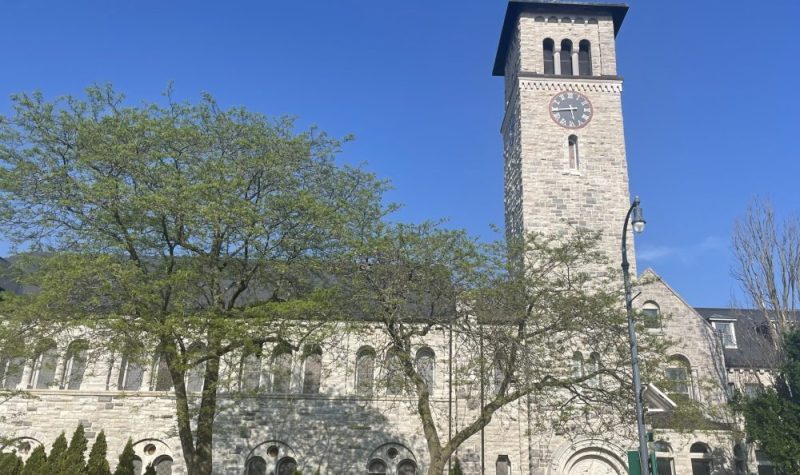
x=564 y=144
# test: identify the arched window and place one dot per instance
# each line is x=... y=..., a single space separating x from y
x=426 y=364
x=593 y=367
x=574 y=158
x=679 y=375
x=131 y=373
x=651 y=314
x=250 y=372
x=312 y=369
x=11 y=372
x=585 y=58
x=394 y=373
x=137 y=465
x=406 y=467
x=74 y=365
x=281 y=369
x=376 y=467
x=566 y=58
x=576 y=366
x=286 y=466
x=44 y=367
x=664 y=461
x=549 y=63
x=701 y=459
x=163 y=379
x=196 y=374
x=163 y=465
x=256 y=466
x=365 y=371
x=503 y=465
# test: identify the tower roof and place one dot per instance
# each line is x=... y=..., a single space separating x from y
x=617 y=12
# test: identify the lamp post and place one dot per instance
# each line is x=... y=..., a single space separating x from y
x=637 y=221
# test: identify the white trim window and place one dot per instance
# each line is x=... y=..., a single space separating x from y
x=727 y=333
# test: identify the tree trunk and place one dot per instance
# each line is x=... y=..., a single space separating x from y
x=437 y=465
x=205 y=419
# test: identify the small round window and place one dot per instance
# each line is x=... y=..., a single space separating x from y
x=272 y=451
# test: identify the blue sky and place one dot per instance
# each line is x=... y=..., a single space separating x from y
x=710 y=98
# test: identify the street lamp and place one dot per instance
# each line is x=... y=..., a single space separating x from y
x=637 y=222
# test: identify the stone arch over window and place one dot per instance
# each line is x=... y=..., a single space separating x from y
x=651 y=314
x=282 y=369
x=573 y=152
x=195 y=375
x=392 y=457
x=588 y=456
x=585 y=58
x=156 y=453
x=312 y=369
x=426 y=365
x=395 y=381
x=44 y=365
x=271 y=456
x=74 y=365
x=365 y=371
x=250 y=370
x=566 y=58
x=131 y=372
x=679 y=375
x=593 y=366
x=21 y=446
x=548 y=50
x=701 y=457
x=162 y=379
x=11 y=372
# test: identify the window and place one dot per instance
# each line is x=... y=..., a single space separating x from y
x=701 y=459
x=377 y=467
x=406 y=467
x=365 y=371
x=664 y=462
x=44 y=368
x=549 y=62
x=74 y=365
x=163 y=465
x=426 y=362
x=566 y=58
x=651 y=315
x=740 y=459
x=503 y=465
x=751 y=390
x=256 y=466
x=286 y=466
x=196 y=374
x=726 y=332
x=584 y=58
x=281 y=369
x=765 y=466
x=312 y=369
x=394 y=373
x=678 y=374
x=572 y=144
x=593 y=367
x=11 y=372
x=131 y=375
x=250 y=373
x=576 y=367
x=163 y=379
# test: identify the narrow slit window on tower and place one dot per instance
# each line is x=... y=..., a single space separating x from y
x=549 y=63
x=585 y=58
x=574 y=158
x=566 y=58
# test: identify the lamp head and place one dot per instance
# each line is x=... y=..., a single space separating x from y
x=637 y=217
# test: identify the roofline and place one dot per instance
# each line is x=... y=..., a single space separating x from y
x=516 y=7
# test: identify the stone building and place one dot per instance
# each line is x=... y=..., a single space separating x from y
x=564 y=167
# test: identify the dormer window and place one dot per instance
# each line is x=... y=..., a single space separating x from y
x=726 y=332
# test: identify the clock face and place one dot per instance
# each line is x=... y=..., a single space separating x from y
x=570 y=109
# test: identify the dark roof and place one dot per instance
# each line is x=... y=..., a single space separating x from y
x=617 y=12
x=754 y=348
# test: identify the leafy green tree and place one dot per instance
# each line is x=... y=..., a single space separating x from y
x=57 y=454
x=125 y=465
x=97 y=464
x=74 y=462
x=10 y=464
x=36 y=463
x=455 y=469
x=772 y=418
x=150 y=470
x=171 y=224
